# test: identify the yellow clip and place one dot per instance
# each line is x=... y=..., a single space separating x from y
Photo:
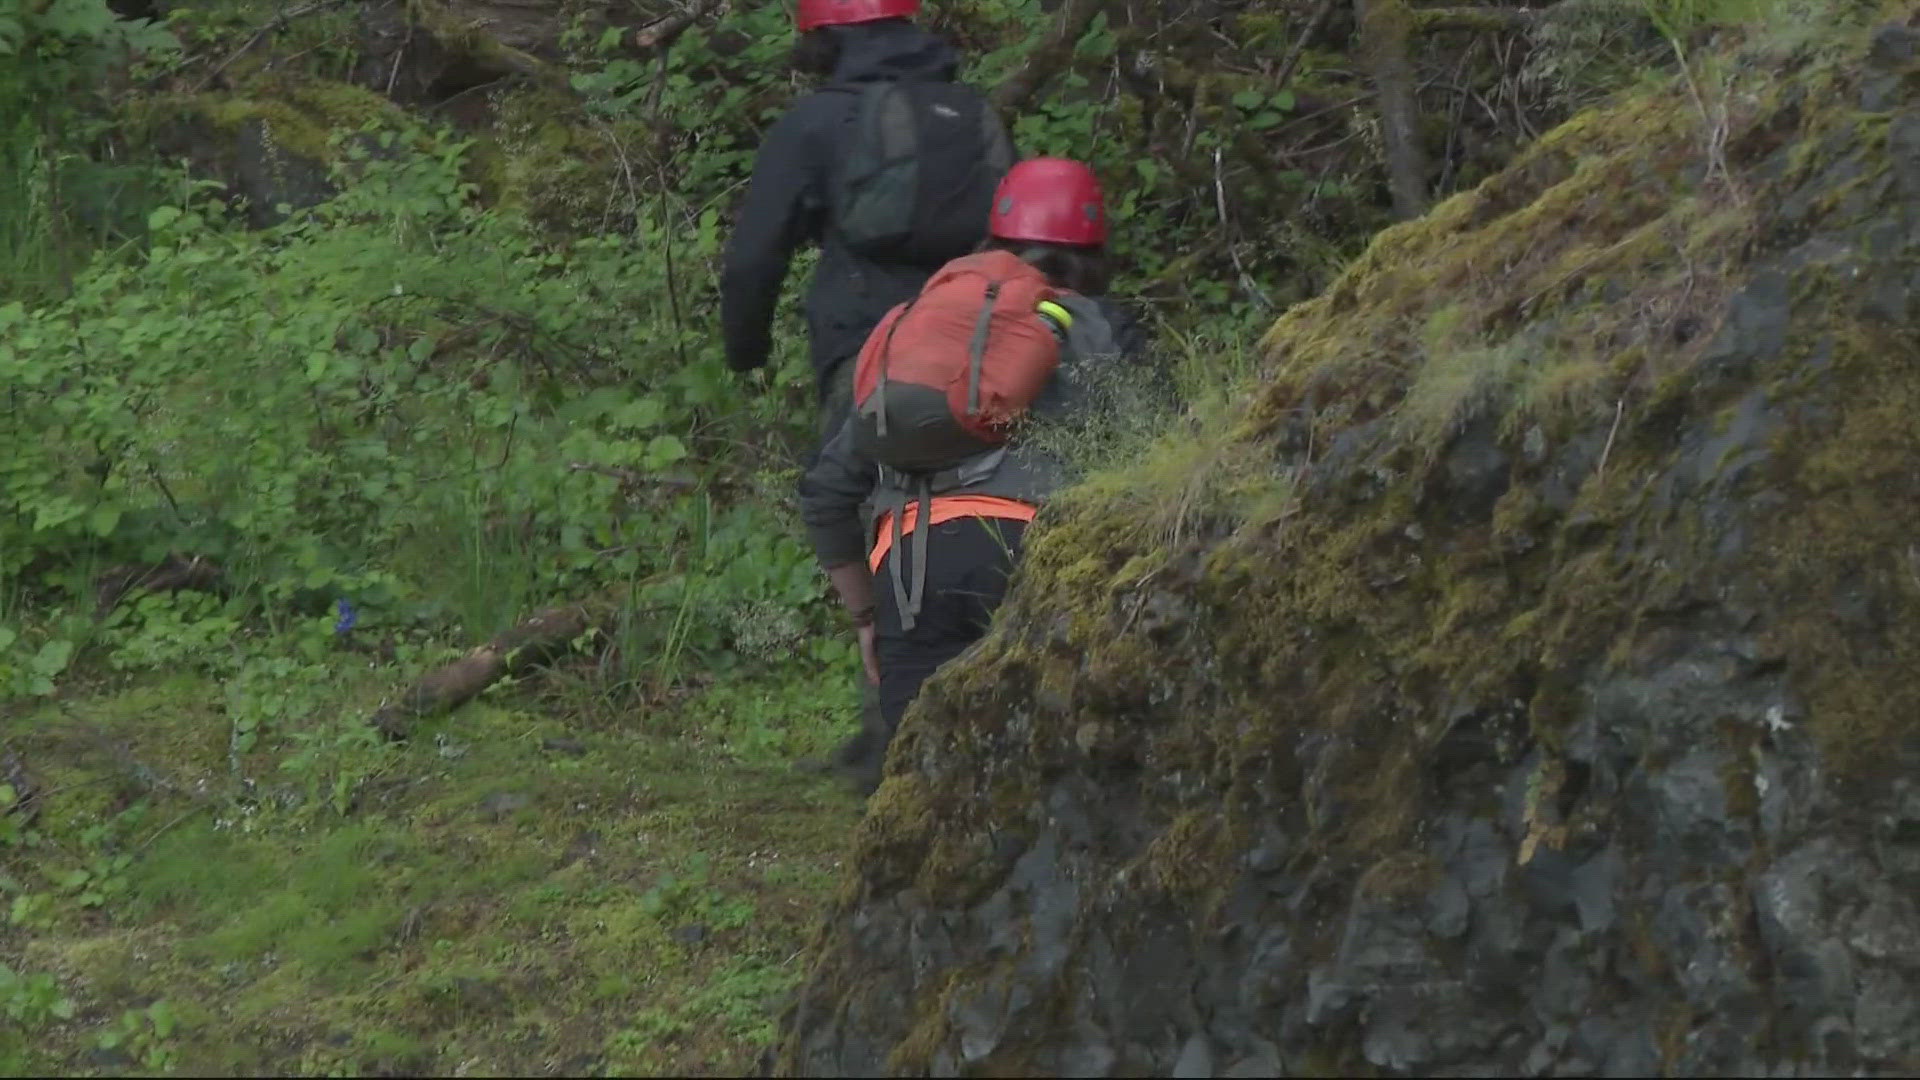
x=1056 y=313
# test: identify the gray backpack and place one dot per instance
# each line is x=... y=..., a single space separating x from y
x=916 y=178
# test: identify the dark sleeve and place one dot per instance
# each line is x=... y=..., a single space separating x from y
x=780 y=212
x=830 y=496
x=1129 y=333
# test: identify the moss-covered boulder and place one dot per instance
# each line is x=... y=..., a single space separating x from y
x=1524 y=679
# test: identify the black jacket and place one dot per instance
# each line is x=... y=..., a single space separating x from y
x=1106 y=367
x=785 y=208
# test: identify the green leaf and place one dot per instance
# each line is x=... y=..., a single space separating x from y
x=1249 y=99
x=1282 y=101
x=77 y=19
x=62 y=1008
x=103 y=520
x=664 y=450
x=162 y=217
x=1265 y=120
x=7 y=638
x=52 y=658
x=161 y=1014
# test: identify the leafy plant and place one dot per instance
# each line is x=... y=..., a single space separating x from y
x=32 y=1000
x=144 y=1034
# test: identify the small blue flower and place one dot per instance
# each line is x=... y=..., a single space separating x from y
x=348 y=616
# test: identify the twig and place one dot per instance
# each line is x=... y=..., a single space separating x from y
x=1300 y=46
x=159 y=481
x=268 y=27
x=400 y=54
x=1226 y=229
x=666 y=228
x=162 y=830
x=1619 y=409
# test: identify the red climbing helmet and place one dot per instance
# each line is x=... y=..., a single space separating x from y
x=1052 y=201
x=817 y=13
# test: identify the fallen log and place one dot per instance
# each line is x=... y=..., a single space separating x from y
x=175 y=573
x=535 y=640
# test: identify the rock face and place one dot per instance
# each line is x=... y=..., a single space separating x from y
x=1527 y=680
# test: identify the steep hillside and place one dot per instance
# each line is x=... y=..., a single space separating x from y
x=1521 y=679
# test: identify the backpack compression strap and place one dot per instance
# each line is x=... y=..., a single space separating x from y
x=977 y=350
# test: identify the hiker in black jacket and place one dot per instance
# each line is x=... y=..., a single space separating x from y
x=809 y=162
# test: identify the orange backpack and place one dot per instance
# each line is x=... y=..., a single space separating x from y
x=944 y=375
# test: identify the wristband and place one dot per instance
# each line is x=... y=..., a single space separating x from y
x=863 y=617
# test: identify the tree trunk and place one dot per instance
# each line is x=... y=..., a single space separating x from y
x=1385 y=26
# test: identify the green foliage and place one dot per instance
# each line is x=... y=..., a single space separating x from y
x=399 y=398
x=32 y=1000
x=145 y=1035
x=55 y=58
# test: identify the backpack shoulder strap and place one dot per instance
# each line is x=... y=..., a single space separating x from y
x=994 y=137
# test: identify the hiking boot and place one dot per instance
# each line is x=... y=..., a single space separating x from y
x=859 y=759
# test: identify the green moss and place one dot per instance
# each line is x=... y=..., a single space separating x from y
x=423 y=930
x=1191 y=858
x=301 y=116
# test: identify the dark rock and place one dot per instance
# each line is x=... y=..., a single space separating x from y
x=273 y=178
x=1894 y=46
x=1196 y=1058
x=1475 y=471
x=569 y=747
x=691 y=935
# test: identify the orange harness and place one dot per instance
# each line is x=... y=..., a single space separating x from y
x=946 y=508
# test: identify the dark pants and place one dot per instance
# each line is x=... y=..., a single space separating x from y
x=968 y=563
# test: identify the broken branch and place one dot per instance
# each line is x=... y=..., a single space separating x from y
x=662 y=32
x=527 y=644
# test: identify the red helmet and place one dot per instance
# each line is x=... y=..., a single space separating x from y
x=1052 y=201
x=817 y=13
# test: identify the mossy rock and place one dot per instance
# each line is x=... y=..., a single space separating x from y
x=1560 y=717
x=273 y=142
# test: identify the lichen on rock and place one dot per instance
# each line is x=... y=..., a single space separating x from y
x=1562 y=723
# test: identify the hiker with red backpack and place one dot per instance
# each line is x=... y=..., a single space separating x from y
x=1012 y=335
x=889 y=166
